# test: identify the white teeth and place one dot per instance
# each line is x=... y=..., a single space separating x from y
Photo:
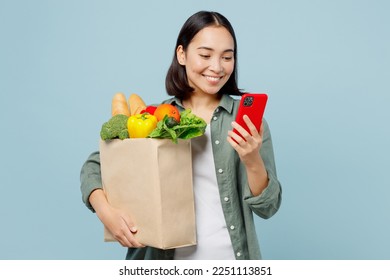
x=213 y=79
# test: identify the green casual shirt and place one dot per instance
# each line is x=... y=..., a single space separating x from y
x=238 y=203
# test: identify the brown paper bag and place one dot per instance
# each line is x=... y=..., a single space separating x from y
x=151 y=179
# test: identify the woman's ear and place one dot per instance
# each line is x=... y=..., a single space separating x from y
x=180 y=55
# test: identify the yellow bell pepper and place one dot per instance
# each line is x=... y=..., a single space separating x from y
x=140 y=125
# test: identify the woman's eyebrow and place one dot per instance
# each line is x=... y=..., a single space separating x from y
x=211 y=49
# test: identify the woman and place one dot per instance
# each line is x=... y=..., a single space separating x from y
x=234 y=176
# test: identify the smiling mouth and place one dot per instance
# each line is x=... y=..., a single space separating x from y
x=212 y=78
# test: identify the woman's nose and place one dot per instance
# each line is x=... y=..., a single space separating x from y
x=216 y=65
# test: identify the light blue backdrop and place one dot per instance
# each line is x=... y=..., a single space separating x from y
x=324 y=64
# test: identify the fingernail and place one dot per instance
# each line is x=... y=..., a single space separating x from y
x=133 y=229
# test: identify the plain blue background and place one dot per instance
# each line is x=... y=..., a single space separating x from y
x=324 y=64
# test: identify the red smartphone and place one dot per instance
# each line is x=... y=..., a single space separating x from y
x=252 y=105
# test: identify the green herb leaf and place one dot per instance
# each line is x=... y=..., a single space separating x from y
x=190 y=126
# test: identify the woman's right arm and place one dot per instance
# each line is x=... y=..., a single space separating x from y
x=115 y=220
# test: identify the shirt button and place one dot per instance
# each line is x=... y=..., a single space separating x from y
x=220 y=170
x=217 y=142
x=226 y=199
x=215 y=118
x=239 y=254
x=232 y=227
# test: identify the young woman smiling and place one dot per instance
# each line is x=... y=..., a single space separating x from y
x=233 y=176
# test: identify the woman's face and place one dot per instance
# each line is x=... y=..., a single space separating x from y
x=209 y=59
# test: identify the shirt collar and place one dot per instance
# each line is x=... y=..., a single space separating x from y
x=226 y=103
x=176 y=101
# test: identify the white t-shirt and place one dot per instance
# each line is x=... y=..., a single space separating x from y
x=213 y=240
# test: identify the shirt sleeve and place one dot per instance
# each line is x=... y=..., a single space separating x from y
x=268 y=202
x=90 y=178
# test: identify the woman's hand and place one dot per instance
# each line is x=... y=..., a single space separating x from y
x=248 y=146
x=116 y=221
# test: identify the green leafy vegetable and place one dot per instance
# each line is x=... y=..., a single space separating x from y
x=171 y=122
x=116 y=127
x=190 y=126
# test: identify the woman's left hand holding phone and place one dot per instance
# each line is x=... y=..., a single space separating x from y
x=248 y=146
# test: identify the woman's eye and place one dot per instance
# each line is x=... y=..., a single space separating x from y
x=205 y=56
x=227 y=58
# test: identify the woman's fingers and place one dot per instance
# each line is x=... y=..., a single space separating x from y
x=121 y=227
x=245 y=142
x=130 y=233
x=252 y=128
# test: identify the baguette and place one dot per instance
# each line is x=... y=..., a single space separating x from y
x=136 y=104
x=119 y=105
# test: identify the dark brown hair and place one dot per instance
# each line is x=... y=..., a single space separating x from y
x=176 y=82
